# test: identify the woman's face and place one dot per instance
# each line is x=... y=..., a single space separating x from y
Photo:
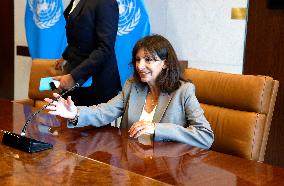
x=148 y=67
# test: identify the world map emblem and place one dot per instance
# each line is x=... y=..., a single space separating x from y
x=46 y=13
x=129 y=16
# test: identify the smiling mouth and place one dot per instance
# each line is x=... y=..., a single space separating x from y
x=144 y=73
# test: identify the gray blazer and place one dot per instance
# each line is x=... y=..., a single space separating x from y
x=178 y=115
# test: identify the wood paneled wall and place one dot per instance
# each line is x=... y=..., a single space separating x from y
x=264 y=54
x=7 y=50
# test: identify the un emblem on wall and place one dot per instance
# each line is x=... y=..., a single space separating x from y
x=45 y=12
x=129 y=16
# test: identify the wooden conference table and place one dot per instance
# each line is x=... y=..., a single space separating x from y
x=107 y=156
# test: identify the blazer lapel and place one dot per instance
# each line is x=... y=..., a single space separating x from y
x=77 y=9
x=163 y=103
x=136 y=103
x=67 y=10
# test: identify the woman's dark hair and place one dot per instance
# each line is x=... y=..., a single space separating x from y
x=168 y=79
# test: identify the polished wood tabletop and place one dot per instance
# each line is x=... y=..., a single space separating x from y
x=108 y=156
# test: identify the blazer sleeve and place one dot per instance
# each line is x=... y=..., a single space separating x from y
x=65 y=53
x=197 y=132
x=106 y=25
x=104 y=113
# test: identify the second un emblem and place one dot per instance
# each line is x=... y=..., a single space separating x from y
x=129 y=16
x=45 y=12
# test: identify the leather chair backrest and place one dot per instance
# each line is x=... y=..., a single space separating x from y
x=41 y=68
x=239 y=109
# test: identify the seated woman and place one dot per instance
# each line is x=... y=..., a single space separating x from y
x=154 y=101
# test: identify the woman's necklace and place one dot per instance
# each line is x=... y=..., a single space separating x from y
x=151 y=102
x=154 y=99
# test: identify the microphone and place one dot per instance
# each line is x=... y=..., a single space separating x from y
x=78 y=84
x=30 y=145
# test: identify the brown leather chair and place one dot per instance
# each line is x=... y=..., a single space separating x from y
x=239 y=109
x=40 y=68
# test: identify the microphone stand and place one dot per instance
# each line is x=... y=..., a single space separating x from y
x=24 y=143
x=23 y=133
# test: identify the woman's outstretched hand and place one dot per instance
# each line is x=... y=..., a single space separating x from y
x=62 y=107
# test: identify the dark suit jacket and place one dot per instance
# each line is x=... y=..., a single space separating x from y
x=91 y=33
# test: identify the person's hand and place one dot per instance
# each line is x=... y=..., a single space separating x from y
x=141 y=127
x=62 y=107
x=59 y=64
x=66 y=81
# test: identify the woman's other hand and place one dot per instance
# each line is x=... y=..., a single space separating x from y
x=62 y=107
x=141 y=127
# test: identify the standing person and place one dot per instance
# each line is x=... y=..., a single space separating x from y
x=91 y=28
x=156 y=101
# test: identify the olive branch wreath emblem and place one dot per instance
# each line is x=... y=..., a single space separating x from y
x=129 y=27
x=44 y=24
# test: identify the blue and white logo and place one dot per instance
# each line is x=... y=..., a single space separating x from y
x=133 y=24
x=129 y=16
x=45 y=28
x=46 y=13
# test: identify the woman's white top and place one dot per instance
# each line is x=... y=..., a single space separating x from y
x=145 y=139
x=145 y=116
